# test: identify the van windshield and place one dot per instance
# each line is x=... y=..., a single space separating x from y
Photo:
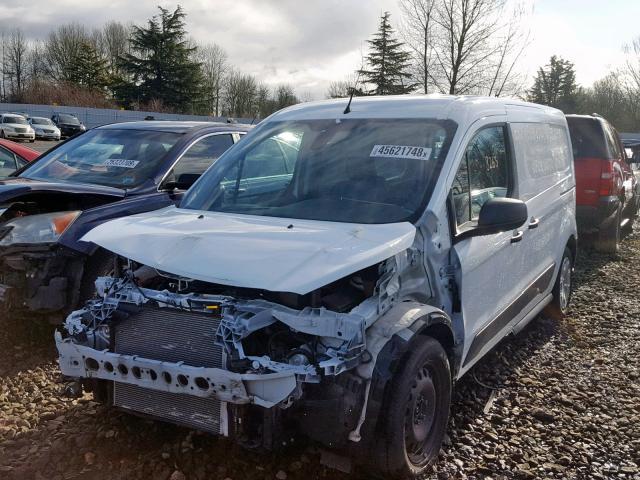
x=354 y=170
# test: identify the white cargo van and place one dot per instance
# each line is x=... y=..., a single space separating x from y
x=334 y=273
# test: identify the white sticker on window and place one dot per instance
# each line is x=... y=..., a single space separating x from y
x=401 y=151
x=120 y=162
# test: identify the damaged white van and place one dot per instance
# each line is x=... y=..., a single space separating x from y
x=334 y=273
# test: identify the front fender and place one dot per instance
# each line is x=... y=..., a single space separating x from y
x=389 y=340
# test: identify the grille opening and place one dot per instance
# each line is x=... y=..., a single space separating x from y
x=135 y=371
x=167 y=377
x=92 y=364
x=182 y=380
x=123 y=369
x=108 y=366
x=153 y=374
x=201 y=383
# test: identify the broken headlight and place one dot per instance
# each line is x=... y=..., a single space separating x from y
x=42 y=228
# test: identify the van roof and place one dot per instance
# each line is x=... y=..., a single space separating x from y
x=454 y=107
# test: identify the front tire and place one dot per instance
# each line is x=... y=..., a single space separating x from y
x=417 y=411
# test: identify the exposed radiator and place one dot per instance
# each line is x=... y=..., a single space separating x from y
x=171 y=336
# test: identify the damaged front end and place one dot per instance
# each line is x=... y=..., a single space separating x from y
x=253 y=365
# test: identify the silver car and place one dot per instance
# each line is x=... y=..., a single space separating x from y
x=44 y=128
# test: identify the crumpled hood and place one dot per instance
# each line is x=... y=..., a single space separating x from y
x=276 y=254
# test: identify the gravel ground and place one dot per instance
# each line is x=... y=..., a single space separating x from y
x=561 y=400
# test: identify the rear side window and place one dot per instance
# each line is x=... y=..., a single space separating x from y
x=587 y=138
x=482 y=175
x=543 y=156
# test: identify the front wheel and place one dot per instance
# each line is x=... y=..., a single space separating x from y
x=2 y=134
x=417 y=411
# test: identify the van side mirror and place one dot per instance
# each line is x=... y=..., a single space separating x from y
x=500 y=215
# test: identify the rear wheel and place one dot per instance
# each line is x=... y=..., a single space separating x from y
x=417 y=411
x=563 y=288
x=608 y=239
x=2 y=134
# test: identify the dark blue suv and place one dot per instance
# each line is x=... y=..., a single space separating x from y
x=46 y=270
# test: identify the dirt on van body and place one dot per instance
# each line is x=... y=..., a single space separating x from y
x=561 y=400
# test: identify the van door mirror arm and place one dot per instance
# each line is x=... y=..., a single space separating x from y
x=497 y=215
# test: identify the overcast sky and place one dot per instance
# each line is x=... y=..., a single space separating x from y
x=309 y=43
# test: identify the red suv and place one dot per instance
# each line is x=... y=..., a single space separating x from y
x=607 y=194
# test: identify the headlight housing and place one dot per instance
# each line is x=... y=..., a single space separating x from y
x=42 y=228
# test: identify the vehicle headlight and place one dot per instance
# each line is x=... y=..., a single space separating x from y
x=43 y=228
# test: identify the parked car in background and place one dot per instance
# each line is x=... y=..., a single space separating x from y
x=607 y=192
x=68 y=124
x=44 y=128
x=16 y=127
x=106 y=173
x=14 y=156
x=335 y=273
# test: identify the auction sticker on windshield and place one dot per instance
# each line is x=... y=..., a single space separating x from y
x=401 y=151
x=120 y=162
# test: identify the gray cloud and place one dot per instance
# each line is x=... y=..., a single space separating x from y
x=305 y=43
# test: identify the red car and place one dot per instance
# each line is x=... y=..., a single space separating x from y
x=14 y=156
x=607 y=197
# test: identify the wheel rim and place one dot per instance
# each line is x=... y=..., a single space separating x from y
x=565 y=283
x=420 y=417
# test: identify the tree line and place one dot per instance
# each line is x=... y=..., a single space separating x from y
x=154 y=66
x=474 y=47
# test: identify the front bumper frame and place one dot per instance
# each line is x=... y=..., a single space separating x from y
x=265 y=390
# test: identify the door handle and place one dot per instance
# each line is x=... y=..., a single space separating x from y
x=517 y=236
x=534 y=223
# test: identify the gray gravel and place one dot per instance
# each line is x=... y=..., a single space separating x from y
x=561 y=400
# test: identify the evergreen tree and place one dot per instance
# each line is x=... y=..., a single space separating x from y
x=161 y=65
x=87 y=68
x=555 y=85
x=388 y=62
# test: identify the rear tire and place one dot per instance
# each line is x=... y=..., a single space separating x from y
x=417 y=412
x=562 y=288
x=2 y=134
x=608 y=239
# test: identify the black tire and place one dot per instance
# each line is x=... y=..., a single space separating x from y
x=608 y=237
x=101 y=264
x=2 y=134
x=559 y=306
x=417 y=412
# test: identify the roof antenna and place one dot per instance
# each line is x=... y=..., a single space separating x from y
x=353 y=90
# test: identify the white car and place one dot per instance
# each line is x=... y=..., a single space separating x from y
x=16 y=127
x=44 y=128
x=341 y=284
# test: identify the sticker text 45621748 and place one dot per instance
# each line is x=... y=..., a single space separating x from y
x=401 y=151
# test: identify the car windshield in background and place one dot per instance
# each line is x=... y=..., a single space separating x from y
x=41 y=121
x=69 y=119
x=354 y=170
x=15 y=119
x=109 y=157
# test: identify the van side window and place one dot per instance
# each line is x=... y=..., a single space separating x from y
x=483 y=174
